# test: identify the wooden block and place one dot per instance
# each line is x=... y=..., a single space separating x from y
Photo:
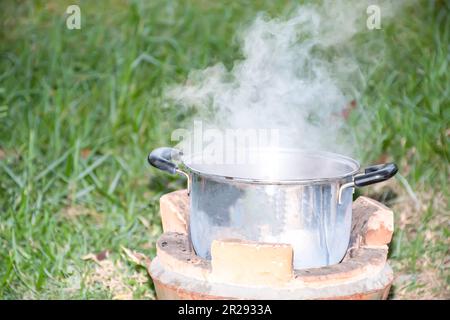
x=174 y=210
x=251 y=263
x=372 y=224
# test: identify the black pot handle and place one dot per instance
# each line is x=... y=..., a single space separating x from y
x=373 y=168
x=375 y=174
x=161 y=158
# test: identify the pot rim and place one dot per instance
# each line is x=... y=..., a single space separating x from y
x=329 y=155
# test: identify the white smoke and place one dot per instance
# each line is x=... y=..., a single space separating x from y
x=297 y=75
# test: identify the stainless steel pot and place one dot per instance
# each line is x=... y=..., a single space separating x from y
x=284 y=196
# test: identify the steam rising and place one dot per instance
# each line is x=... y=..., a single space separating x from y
x=297 y=75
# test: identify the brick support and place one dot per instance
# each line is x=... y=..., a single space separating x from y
x=248 y=270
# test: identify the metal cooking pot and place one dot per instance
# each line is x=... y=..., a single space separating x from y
x=289 y=196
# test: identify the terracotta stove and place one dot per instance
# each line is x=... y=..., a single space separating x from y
x=250 y=270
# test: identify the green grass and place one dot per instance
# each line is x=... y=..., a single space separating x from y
x=80 y=109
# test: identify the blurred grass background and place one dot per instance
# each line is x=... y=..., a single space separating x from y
x=80 y=109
